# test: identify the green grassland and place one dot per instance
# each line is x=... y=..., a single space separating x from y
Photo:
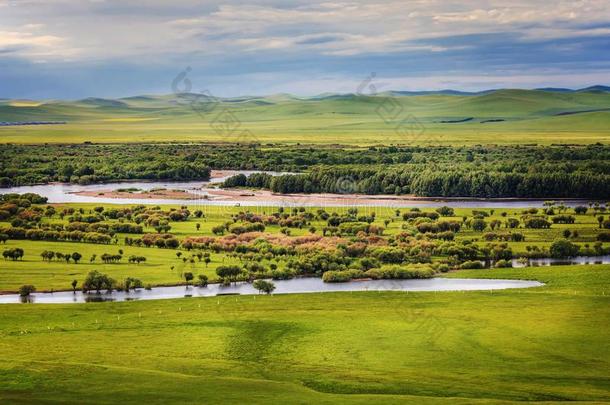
x=163 y=267
x=519 y=117
x=544 y=344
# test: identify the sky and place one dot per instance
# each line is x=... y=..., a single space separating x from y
x=70 y=49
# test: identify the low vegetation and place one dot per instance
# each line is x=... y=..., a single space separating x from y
x=52 y=245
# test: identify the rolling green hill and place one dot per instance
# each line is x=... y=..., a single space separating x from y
x=502 y=116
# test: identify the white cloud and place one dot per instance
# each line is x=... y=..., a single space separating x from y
x=143 y=31
x=35 y=47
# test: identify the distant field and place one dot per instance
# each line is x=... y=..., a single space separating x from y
x=502 y=117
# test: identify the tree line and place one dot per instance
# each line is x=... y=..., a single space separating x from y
x=438 y=182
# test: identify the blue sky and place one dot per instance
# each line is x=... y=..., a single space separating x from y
x=107 y=48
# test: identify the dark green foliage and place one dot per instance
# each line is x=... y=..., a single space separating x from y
x=563 y=219
x=203 y=280
x=264 y=286
x=13 y=254
x=563 y=248
x=26 y=290
x=472 y=264
x=604 y=237
x=228 y=273
x=445 y=211
x=97 y=281
x=505 y=171
x=341 y=276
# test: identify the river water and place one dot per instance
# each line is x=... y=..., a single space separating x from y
x=66 y=193
x=294 y=286
x=548 y=261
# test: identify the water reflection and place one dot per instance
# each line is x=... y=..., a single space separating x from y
x=548 y=261
x=301 y=285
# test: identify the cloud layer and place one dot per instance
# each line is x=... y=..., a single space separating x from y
x=63 y=48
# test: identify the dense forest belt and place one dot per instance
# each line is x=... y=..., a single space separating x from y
x=441 y=181
x=478 y=171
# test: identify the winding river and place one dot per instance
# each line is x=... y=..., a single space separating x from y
x=294 y=286
x=203 y=193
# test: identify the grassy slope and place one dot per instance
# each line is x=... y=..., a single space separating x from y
x=545 y=344
x=530 y=117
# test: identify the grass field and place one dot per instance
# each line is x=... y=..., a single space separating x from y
x=501 y=117
x=544 y=344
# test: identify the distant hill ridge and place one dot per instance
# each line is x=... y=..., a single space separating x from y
x=283 y=97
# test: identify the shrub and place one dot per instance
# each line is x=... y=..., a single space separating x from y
x=399 y=272
x=285 y=274
x=417 y=214
x=537 y=223
x=503 y=263
x=471 y=264
x=26 y=290
x=340 y=276
x=604 y=237
x=98 y=281
x=443 y=268
x=479 y=225
x=13 y=254
x=264 y=286
x=203 y=280
x=445 y=211
x=489 y=236
x=563 y=248
x=229 y=273
x=563 y=219
x=517 y=237
x=580 y=210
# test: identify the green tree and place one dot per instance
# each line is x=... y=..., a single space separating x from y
x=229 y=273
x=563 y=248
x=479 y=224
x=26 y=290
x=76 y=257
x=264 y=286
x=203 y=280
x=188 y=276
x=98 y=281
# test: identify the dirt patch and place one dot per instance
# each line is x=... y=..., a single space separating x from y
x=153 y=194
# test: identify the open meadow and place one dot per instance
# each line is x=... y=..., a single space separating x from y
x=504 y=117
x=543 y=344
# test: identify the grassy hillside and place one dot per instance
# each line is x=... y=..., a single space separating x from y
x=504 y=116
x=543 y=344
